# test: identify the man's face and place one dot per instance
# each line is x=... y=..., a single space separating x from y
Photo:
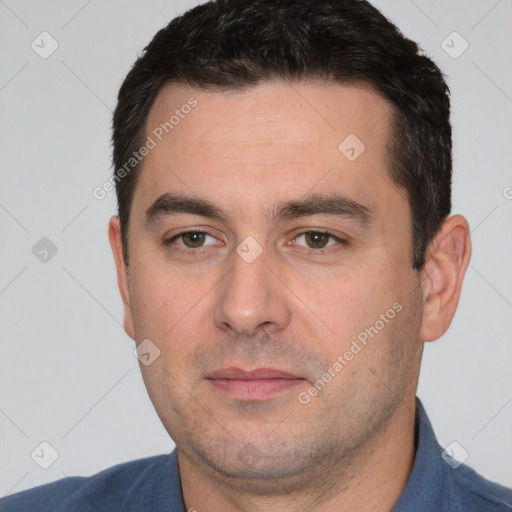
x=275 y=250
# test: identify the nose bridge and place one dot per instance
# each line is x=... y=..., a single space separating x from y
x=251 y=295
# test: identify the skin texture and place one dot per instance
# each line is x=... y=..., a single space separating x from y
x=294 y=308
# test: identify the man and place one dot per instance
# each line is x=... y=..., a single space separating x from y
x=283 y=174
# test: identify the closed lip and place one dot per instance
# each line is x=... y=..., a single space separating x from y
x=235 y=373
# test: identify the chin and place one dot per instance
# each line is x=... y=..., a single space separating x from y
x=263 y=471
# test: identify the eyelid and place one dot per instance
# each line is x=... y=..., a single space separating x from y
x=168 y=240
x=192 y=248
x=337 y=239
x=340 y=240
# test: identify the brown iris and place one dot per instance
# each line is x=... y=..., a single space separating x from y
x=193 y=239
x=316 y=239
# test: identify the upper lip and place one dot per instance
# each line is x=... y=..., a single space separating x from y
x=256 y=374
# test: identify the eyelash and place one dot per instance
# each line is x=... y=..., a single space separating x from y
x=183 y=249
x=200 y=250
x=322 y=250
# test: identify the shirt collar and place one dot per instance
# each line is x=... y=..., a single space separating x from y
x=167 y=490
x=426 y=481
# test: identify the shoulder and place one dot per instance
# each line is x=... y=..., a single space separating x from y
x=470 y=491
x=438 y=483
x=107 y=490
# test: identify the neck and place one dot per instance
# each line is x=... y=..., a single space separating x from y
x=370 y=480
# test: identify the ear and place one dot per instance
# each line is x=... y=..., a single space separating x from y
x=114 y=235
x=447 y=260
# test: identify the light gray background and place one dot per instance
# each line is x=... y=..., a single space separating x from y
x=67 y=372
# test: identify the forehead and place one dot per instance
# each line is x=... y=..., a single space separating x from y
x=272 y=142
x=308 y=113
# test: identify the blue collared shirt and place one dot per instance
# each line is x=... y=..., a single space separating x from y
x=154 y=485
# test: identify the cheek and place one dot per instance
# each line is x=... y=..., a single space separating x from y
x=159 y=294
x=357 y=303
x=350 y=298
x=173 y=312
x=159 y=301
x=150 y=302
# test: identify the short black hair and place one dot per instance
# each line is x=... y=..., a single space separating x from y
x=238 y=44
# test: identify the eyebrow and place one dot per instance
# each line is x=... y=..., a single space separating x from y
x=171 y=204
x=317 y=204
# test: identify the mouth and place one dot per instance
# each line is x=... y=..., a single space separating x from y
x=254 y=385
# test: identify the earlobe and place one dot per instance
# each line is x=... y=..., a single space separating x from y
x=114 y=235
x=447 y=260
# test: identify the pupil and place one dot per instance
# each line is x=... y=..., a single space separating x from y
x=316 y=240
x=193 y=239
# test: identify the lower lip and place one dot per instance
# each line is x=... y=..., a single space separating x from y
x=254 y=389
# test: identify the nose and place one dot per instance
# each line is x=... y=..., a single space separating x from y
x=251 y=298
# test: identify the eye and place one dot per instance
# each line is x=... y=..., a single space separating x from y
x=193 y=239
x=317 y=239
